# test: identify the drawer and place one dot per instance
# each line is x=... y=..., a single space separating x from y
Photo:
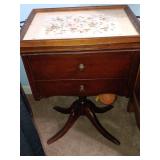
x=81 y=87
x=80 y=66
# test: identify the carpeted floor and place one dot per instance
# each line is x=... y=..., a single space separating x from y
x=83 y=139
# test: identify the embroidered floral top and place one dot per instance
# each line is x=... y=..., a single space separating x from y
x=80 y=24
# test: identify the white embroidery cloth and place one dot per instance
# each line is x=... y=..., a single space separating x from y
x=80 y=24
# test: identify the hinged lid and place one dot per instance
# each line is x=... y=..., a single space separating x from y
x=87 y=28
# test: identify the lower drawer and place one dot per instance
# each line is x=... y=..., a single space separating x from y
x=81 y=87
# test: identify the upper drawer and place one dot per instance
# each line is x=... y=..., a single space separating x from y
x=80 y=66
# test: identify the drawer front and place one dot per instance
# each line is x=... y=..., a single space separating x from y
x=81 y=87
x=80 y=66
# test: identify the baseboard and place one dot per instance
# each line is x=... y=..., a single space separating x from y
x=27 y=89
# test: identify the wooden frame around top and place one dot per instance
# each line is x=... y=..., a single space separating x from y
x=78 y=44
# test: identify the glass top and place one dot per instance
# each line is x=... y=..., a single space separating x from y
x=80 y=24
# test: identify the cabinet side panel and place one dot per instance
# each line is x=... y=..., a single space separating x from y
x=133 y=71
x=30 y=78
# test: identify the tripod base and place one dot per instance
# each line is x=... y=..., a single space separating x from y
x=83 y=106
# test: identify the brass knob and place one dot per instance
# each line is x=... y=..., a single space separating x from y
x=81 y=67
x=81 y=88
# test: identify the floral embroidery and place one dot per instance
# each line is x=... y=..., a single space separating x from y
x=80 y=24
x=76 y=24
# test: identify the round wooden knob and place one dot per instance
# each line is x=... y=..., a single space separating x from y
x=81 y=67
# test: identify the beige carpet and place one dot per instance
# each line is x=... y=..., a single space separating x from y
x=83 y=139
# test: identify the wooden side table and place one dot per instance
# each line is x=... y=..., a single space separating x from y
x=81 y=52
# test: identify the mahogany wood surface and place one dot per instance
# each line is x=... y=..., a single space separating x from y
x=67 y=66
x=90 y=87
x=109 y=71
x=134 y=102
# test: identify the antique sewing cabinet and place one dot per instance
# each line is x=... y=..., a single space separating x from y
x=81 y=52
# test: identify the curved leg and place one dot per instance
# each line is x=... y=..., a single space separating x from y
x=92 y=117
x=62 y=110
x=102 y=109
x=72 y=118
